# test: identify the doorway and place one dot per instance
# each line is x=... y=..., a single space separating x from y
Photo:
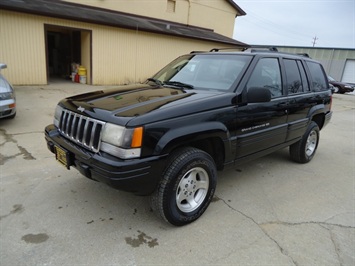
x=66 y=47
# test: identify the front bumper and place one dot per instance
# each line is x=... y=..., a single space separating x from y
x=7 y=108
x=139 y=176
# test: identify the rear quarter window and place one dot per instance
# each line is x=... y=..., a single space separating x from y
x=318 y=79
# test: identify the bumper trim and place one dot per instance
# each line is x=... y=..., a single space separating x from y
x=139 y=176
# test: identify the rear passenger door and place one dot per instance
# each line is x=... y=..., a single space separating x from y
x=301 y=96
x=263 y=125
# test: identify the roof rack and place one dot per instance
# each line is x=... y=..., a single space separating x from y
x=219 y=49
x=196 y=52
x=273 y=50
x=253 y=50
x=304 y=54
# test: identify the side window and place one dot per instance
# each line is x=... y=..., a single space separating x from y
x=293 y=77
x=267 y=74
x=303 y=76
x=319 y=81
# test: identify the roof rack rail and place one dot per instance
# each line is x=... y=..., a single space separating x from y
x=196 y=52
x=269 y=49
x=219 y=49
x=304 y=54
x=274 y=50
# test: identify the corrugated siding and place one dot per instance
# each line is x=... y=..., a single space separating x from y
x=22 y=48
x=217 y=15
x=119 y=56
x=333 y=60
x=134 y=56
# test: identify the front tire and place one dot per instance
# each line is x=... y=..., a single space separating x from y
x=304 y=150
x=186 y=188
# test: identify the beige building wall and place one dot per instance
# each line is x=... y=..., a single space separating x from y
x=118 y=56
x=218 y=15
x=22 y=48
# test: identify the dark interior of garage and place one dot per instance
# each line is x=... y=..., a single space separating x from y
x=63 y=49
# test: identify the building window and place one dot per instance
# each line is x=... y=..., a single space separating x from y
x=171 y=5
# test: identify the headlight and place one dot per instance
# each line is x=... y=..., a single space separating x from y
x=6 y=96
x=348 y=86
x=122 y=142
x=57 y=114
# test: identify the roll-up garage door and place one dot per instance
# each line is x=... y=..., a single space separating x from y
x=349 y=71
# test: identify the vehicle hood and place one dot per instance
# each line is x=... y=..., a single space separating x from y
x=4 y=85
x=142 y=103
x=4 y=89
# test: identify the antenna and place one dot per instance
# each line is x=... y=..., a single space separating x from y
x=314 y=40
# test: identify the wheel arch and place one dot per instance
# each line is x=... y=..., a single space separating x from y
x=317 y=115
x=319 y=119
x=211 y=137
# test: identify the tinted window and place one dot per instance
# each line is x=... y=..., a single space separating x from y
x=267 y=74
x=319 y=81
x=293 y=77
x=303 y=76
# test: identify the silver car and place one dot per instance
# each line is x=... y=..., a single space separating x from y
x=7 y=97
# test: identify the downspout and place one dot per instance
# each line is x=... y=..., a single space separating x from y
x=188 y=13
x=330 y=62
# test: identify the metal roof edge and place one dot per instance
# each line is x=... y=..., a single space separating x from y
x=236 y=7
x=155 y=25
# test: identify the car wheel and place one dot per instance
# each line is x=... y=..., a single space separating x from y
x=186 y=188
x=336 y=89
x=303 y=150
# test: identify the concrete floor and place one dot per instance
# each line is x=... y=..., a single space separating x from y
x=268 y=212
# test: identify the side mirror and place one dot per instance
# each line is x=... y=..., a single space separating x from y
x=258 y=95
x=3 y=66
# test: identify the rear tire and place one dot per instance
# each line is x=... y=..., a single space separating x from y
x=186 y=188
x=303 y=150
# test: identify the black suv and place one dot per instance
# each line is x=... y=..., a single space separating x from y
x=201 y=113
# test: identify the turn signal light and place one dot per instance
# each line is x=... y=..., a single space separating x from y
x=137 y=137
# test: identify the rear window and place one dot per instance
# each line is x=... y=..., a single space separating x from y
x=319 y=80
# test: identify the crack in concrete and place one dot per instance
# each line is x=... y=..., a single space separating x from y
x=336 y=248
x=309 y=222
x=282 y=250
x=22 y=151
x=17 y=208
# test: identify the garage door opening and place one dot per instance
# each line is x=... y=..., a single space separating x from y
x=65 y=47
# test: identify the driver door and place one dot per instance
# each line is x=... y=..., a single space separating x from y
x=263 y=125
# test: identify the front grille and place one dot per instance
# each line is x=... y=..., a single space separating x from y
x=81 y=129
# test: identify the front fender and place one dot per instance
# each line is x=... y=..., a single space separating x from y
x=191 y=133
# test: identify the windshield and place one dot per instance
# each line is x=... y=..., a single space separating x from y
x=202 y=71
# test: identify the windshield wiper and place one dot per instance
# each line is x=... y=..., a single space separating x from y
x=179 y=84
x=156 y=81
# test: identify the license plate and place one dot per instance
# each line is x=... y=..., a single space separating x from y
x=62 y=156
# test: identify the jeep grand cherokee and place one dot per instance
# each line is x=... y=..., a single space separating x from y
x=203 y=112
